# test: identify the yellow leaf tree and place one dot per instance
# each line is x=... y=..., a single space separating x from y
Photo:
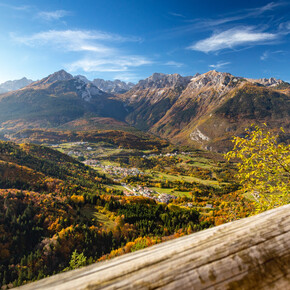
x=263 y=167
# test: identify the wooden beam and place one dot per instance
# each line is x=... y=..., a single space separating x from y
x=252 y=253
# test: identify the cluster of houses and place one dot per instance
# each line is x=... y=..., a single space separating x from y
x=165 y=155
x=75 y=153
x=149 y=193
x=78 y=153
x=121 y=171
x=91 y=162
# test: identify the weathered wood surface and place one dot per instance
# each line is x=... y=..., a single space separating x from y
x=252 y=253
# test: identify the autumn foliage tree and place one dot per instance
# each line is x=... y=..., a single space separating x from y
x=263 y=167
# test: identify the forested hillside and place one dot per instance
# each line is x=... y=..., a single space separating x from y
x=57 y=213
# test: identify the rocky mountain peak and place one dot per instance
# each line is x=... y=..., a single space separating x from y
x=61 y=75
x=271 y=82
x=113 y=87
x=213 y=78
x=14 y=85
x=160 y=80
x=82 y=78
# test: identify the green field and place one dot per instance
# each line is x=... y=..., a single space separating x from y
x=165 y=176
x=104 y=220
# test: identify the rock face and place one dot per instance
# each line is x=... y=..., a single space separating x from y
x=159 y=80
x=14 y=85
x=150 y=99
x=271 y=82
x=251 y=253
x=113 y=87
x=205 y=110
x=61 y=75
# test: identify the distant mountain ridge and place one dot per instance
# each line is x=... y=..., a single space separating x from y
x=204 y=110
x=114 y=87
x=54 y=101
x=14 y=85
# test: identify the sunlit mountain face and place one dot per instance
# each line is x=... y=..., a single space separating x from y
x=204 y=110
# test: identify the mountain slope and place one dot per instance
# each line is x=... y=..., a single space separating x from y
x=148 y=101
x=55 y=100
x=113 y=87
x=14 y=85
x=204 y=111
x=207 y=110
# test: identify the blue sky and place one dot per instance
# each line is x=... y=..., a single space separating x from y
x=131 y=39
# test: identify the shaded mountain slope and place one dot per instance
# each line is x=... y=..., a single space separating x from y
x=55 y=100
x=148 y=101
x=208 y=109
x=204 y=111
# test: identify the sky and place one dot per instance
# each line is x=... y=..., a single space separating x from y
x=132 y=39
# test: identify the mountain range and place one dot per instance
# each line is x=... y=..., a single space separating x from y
x=14 y=85
x=204 y=110
x=116 y=86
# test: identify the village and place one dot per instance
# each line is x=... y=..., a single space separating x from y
x=147 y=192
x=121 y=172
x=165 y=155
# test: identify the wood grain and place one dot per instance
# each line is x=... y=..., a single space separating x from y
x=252 y=253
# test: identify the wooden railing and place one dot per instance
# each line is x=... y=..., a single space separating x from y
x=252 y=253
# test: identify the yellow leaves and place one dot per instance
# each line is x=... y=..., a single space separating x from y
x=77 y=198
x=55 y=226
x=263 y=167
x=62 y=233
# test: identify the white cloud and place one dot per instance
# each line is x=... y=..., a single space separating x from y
x=219 y=65
x=176 y=14
x=268 y=7
x=231 y=38
x=265 y=55
x=14 y=7
x=52 y=15
x=270 y=54
x=284 y=27
x=97 y=48
x=73 y=40
x=108 y=64
x=174 y=63
x=240 y=15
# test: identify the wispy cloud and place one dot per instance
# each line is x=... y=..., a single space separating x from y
x=268 y=7
x=75 y=40
x=224 y=21
x=52 y=15
x=176 y=14
x=16 y=7
x=239 y=15
x=174 y=63
x=284 y=27
x=265 y=55
x=231 y=38
x=270 y=54
x=72 y=40
x=110 y=64
x=219 y=65
x=98 y=49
